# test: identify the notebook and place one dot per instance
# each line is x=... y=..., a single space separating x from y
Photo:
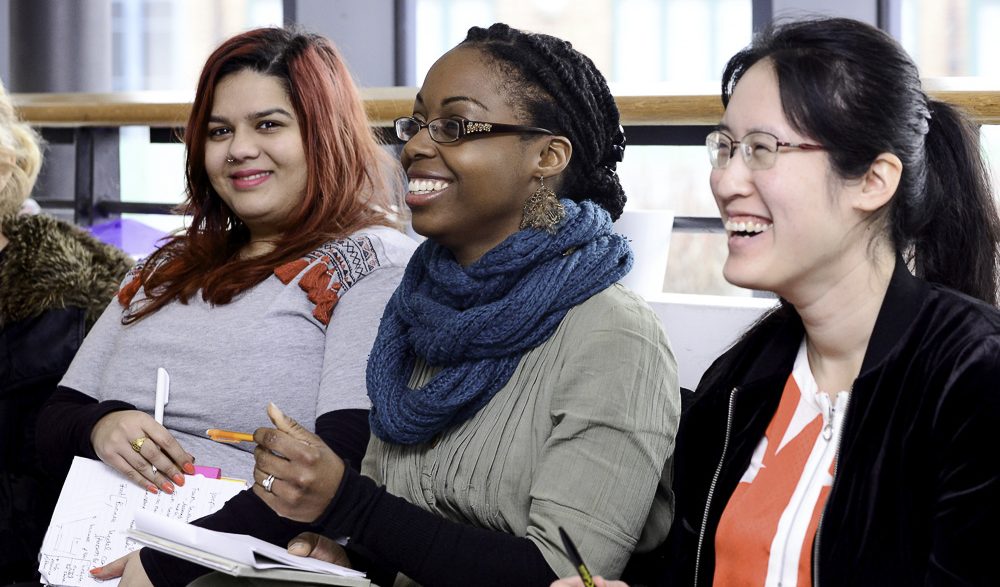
x=97 y=507
x=237 y=554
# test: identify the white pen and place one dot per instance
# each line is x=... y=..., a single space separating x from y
x=162 y=393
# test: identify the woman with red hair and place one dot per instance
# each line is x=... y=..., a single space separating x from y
x=273 y=292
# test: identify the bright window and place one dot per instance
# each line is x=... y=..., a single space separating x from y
x=957 y=38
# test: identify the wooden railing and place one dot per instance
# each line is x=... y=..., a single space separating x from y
x=90 y=122
x=385 y=104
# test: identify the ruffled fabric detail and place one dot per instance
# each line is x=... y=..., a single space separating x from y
x=330 y=271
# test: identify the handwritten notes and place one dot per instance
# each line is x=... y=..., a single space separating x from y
x=97 y=507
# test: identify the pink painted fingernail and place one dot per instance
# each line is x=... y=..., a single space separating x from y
x=189 y=468
x=151 y=488
x=168 y=487
x=179 y=479
x=96 y=570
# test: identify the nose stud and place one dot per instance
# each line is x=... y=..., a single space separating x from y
x=230 y=160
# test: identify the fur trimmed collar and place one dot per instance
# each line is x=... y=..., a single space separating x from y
x=51 y=264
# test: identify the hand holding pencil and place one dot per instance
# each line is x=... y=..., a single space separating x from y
x=296 y=473
x=578 y=582
x=584 y=578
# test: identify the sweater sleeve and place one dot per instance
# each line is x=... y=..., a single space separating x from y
x=349 y=339
x=603 y=474
x=64 y=427
x=428 y=548
x=347 y=433
x=68 y=417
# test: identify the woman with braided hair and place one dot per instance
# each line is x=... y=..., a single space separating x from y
x=516 y=387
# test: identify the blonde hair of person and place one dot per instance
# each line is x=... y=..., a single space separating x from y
x=20 y=157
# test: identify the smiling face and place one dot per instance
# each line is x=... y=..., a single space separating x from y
x=791 y=228
x=468 y=195
x=254 y=154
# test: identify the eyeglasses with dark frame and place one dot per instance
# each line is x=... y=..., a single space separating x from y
x=759 y=149
x=449 y=130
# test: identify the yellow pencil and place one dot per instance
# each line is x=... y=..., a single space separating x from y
x=228 y=435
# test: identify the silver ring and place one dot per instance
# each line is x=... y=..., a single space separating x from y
x=153 y=467
x=266 y=483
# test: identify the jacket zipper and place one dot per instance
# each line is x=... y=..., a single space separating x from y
x=833 y=484
x=715 y=480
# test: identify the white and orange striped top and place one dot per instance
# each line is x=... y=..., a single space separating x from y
x=766 y=532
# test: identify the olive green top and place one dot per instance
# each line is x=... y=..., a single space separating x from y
x=582 y=437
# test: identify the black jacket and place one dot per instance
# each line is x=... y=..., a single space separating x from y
x=916 y=494
x=55 y=280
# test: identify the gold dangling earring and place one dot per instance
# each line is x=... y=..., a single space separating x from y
x=542 y=209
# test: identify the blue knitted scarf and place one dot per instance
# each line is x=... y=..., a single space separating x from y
x=476 y=322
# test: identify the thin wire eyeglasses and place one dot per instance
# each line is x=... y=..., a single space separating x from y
x=449 y=130
x=759 y=149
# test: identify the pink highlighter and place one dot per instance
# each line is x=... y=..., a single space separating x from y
x=208 y=472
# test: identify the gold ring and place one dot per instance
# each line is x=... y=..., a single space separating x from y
x=137 y=443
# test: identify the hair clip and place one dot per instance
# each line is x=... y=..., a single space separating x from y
x=618 y=146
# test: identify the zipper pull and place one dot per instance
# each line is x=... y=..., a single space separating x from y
x=828 y=412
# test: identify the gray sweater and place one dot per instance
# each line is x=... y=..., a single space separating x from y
x=270 y=344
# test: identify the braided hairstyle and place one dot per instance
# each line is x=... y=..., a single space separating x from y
x=552 y=85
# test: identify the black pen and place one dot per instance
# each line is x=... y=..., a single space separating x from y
x=574 y=557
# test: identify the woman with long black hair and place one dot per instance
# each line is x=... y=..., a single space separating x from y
x=845 y=439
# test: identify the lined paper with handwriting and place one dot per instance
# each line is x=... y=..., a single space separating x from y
x=97 y=507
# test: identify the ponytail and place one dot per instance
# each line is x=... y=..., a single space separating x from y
x=953 y=230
